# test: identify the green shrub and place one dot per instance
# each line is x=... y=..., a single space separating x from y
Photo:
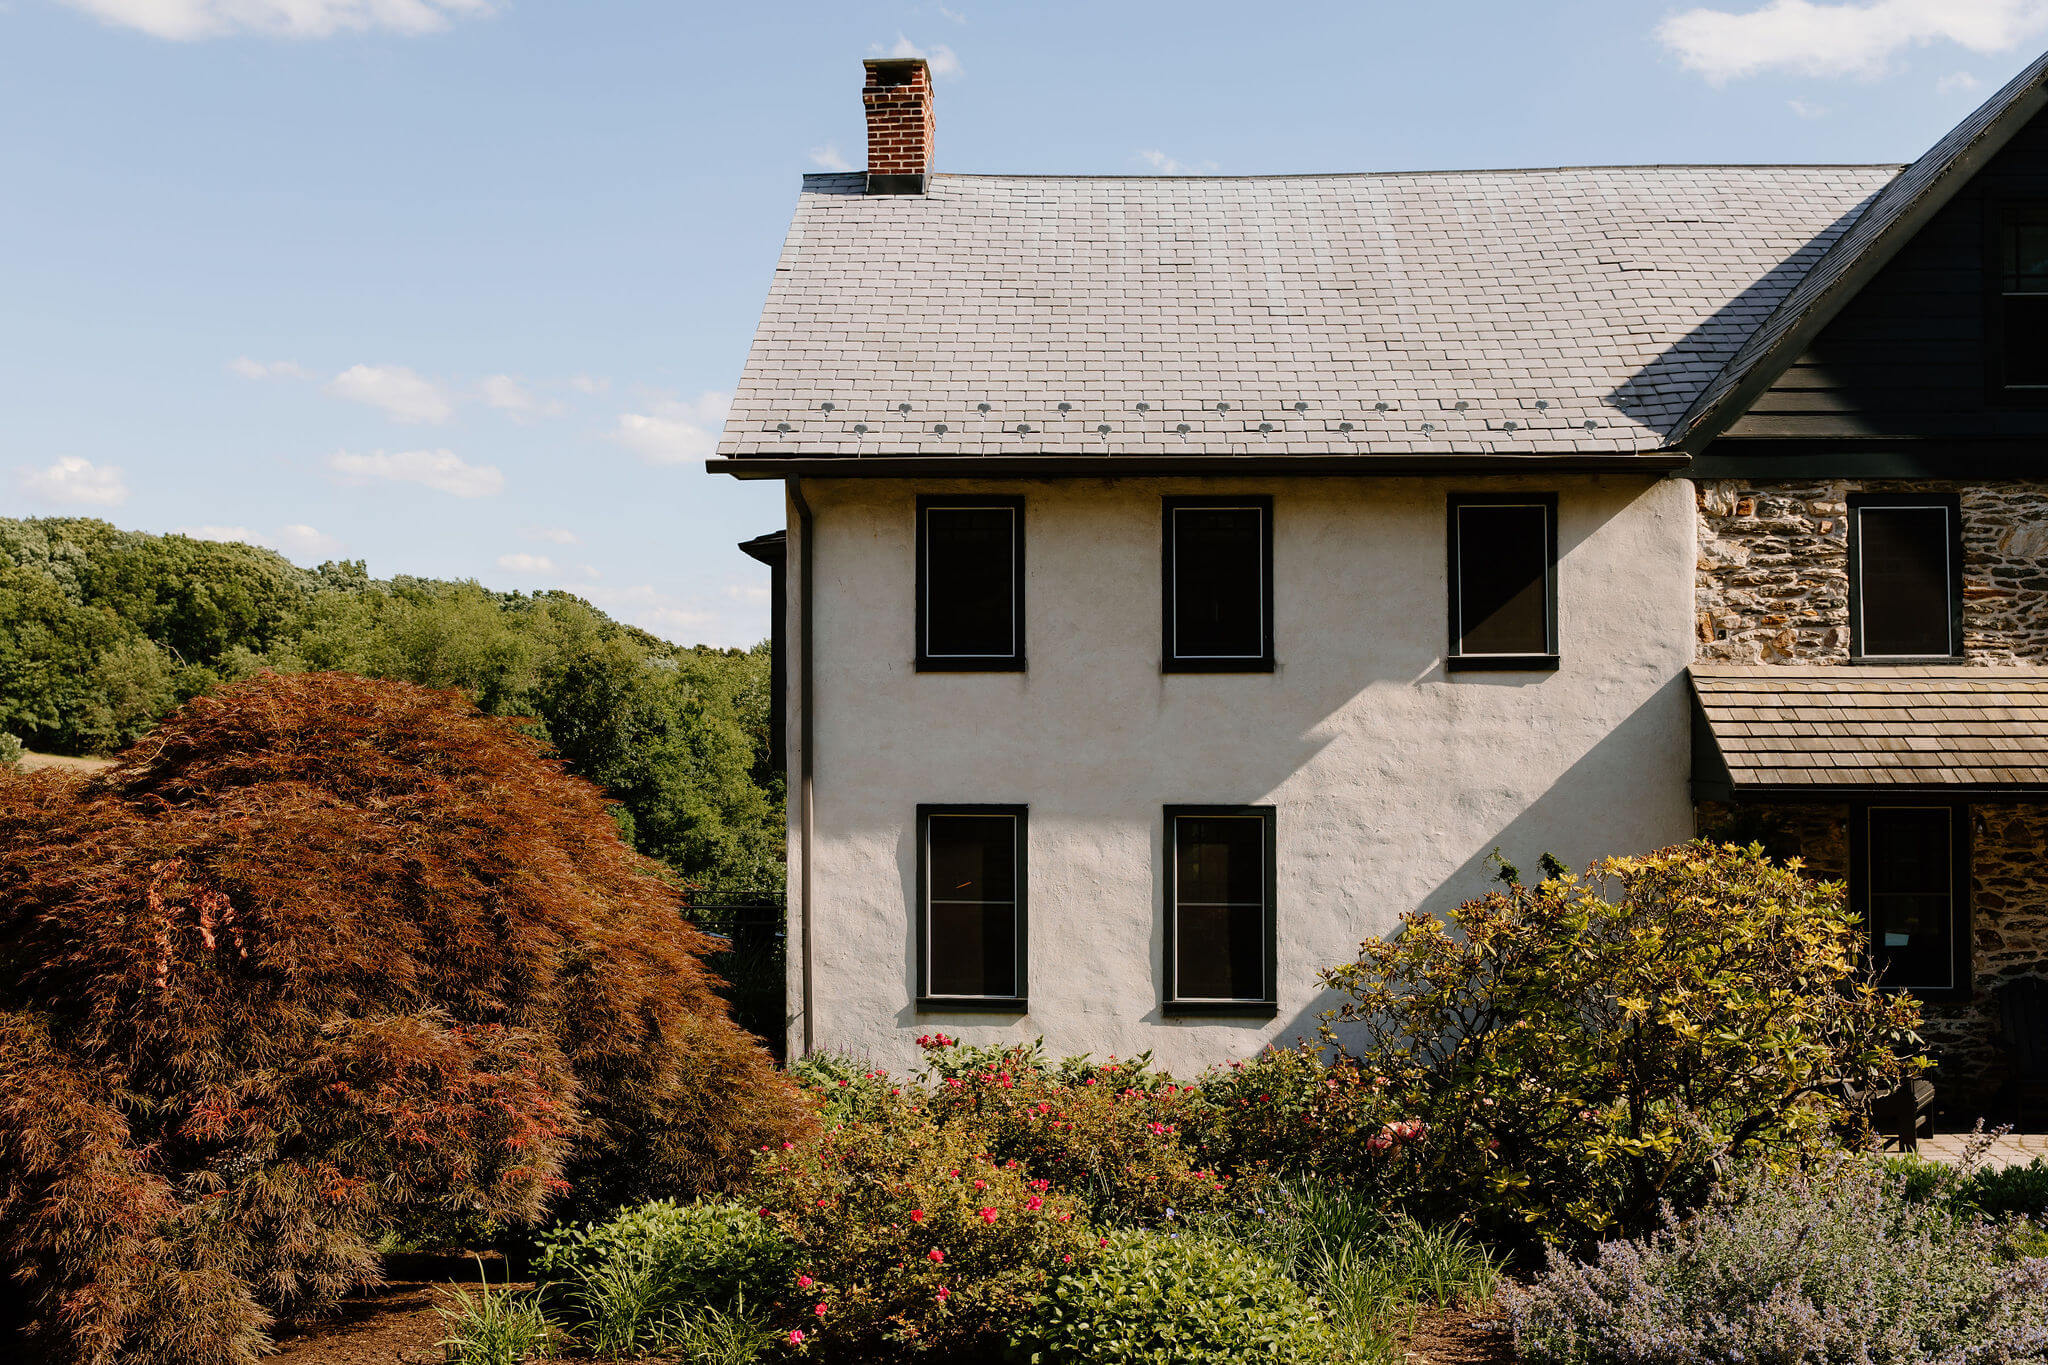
x=1588 y=1049
x=2016 y=1190
x=1117 y=1134
x=642 y=1279
x=10 y=750
x=847 y=1088
x=1186 y=1299
x=493 y=1326
x=910 y=1236
x=1831 y=1264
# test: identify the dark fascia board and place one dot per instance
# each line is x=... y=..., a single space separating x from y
x=1874 y=256
x=1871 y=457
x=1881 y=792
x=1169 y=466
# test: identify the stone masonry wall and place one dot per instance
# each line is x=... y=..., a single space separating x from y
x=1773 y=582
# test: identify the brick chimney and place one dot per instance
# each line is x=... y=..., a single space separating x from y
x=898 y=97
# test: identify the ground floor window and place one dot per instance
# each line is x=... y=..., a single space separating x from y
x=1219 y=910
x=1909 y=877
x=970 y=900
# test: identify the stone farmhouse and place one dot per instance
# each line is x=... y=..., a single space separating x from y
x=1183 y=577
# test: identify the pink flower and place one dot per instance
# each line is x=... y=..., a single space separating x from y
x=988 y=1215
x=953 y=1081
x=1041 y=1185
x=981 y=1184
x=935 y=1255
x=796 y=1337
x=1068 y=1258
x=819 y=1310
x=1034 y=1203
x=1065 y=1216
x=944 y=1293
x=804 y=1282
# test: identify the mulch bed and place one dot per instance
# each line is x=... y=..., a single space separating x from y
x=1458 y=1338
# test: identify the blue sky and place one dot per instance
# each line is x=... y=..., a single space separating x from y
x=458 y=286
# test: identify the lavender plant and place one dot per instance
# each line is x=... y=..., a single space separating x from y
x=1831 y=1266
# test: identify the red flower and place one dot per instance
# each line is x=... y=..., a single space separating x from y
x=935 y=1255
x=804 y=1282
x=1034 y=1203
x=988 y=1215
x=796 y=1337
x=944 y=1293
x=819 y=1310
x=981 y=1184
x=917 y=1215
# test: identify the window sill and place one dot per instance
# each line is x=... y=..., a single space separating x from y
x=1216 y=666
x=967 y=1004
x=1242 y=1009
x=1500 y=663
x=1012 y=664
x=1906 y=660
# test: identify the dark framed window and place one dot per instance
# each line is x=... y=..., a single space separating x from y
x=1217 y=596
x=1905 y=577
x=2016 y=303
x=971 y=921
x=1910 y=881
x=970 y=583
x=1503 y=580
x=1219 y=910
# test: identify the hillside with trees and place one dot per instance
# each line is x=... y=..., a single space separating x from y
x=111 y=630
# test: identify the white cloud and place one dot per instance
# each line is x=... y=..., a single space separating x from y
x=443 y=470
x=1954 y=81
x=1163 y=164
x=507 y=394
x=184 y=20
x=828 y=158
x=589 y=383
x=274 y=369
x=1844 y=39
x=944 y=64
x=396 y=390
x=673 y=431
x=74 y=481
x=954 y=15
x=554 y=535
x=524 y=563
x=297 y=542
x=1806 y=110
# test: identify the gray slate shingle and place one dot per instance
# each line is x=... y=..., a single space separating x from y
x=1934 y=726
x=1540 y=300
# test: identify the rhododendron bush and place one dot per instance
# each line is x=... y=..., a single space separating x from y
x=1585 y=1050
x=319 y=956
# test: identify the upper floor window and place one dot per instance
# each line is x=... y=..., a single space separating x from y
x=970 y=583
x=1218 y=589
x=1910 y=880
x=1905 y=577
x=970 y=908
x=2018 y=330
x=1219 y=910
x=1503 y=580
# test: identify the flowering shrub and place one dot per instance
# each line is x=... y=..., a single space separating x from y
x=1586 y=1049
x=1285 y=1112
x=1117 y=1134
x=911 y=1236
x=1835 y=1264
x=1191 y=1300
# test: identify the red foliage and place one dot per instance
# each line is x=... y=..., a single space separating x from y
x=321 y=953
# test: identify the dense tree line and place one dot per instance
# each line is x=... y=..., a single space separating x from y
x=107 y=631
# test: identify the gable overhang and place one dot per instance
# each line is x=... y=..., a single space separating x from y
x=1655 y=463
x=1937 y=178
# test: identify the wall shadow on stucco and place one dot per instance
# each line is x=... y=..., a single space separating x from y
x=1546 y=825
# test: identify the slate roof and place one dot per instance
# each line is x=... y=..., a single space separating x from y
x=1892 y=218
x=1533 y=312
x=1846 y=729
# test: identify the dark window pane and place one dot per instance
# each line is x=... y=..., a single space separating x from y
x=1220 y=908
x=972 y=922
x=1903 y=592
x=1221 y=858
x=1912 y=907
x=1218 y=596
x=970 y=589
x=2025 y=258
x=2025 y=341
x=1503 y=568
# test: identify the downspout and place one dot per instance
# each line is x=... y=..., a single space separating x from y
x=803 y=740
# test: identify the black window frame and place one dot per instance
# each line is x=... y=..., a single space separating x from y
x=1455 y=659
x=1961 y=849
x=1170 y=1004
x=1013 y=662
x=1169 y=660
x=2001 y=214
x=1947 y=502
x=927 y=1003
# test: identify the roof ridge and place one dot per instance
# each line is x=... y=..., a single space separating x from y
x=1435 y=171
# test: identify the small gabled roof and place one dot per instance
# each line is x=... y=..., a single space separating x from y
x=1381 y=319
x=1906 y=204
x=1836 y=731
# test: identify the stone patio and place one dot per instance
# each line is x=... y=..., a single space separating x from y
x=2010 y=1149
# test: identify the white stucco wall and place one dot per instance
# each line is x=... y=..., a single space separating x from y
x=1393 y=780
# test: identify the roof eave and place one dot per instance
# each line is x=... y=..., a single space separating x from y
x=1047 y=466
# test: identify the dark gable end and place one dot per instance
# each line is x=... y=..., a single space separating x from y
x=1883 y=343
